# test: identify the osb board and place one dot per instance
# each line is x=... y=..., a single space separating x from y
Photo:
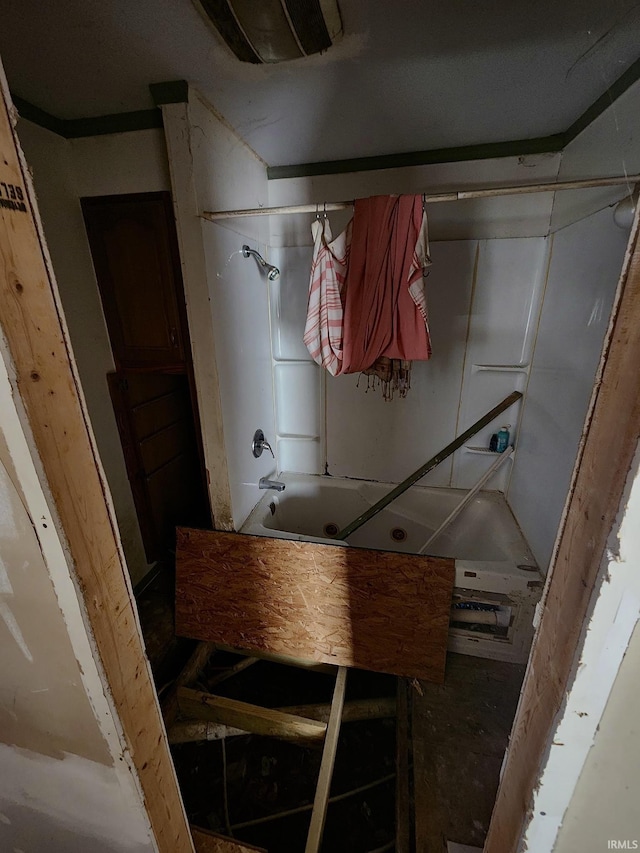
x=211 y=842
x=374 y=610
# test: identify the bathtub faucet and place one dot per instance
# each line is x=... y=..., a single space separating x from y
x=266 y=483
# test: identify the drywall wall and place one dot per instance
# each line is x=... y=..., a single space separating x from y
x=511 y=216
x=610 y=145
x=484 y=298
x=66 y=783
x=120 y=163
x=585 y=264
x=52 y=161
x=225 y=173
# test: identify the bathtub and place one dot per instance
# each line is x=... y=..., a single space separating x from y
x=494 y=565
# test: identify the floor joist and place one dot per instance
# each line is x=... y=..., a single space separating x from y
x=252 y=718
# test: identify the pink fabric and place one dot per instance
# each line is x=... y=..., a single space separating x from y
x=383 y=294
x=324 y=326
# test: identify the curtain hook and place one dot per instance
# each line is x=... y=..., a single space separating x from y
x=424 y=202
x=325 y=210
x=317 y=211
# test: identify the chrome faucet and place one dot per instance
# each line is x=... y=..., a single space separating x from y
x=259 y=444
x=266 y=483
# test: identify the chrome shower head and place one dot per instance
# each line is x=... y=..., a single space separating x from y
x=272 y=272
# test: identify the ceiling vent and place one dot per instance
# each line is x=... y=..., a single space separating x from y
x=262 y=31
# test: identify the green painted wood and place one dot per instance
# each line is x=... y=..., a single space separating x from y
x=115 y=123
x=489 y=150
x=73 y=128
x=630 y=76
x=169 y=92
x=37 y=116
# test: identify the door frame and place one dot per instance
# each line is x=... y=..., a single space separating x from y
x=47 y=385
x=605 y=455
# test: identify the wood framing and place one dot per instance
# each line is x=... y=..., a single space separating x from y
x=252 y=718
x=210 y=842
x=46 y=383
x=177 y=132
x=190 y=731
x=403 y=764
x=321 y=799
x=375 y=610
x=609 y=442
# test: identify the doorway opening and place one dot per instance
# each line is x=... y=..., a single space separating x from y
x=134 y=247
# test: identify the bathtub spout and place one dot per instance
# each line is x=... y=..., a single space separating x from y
x=266 y=483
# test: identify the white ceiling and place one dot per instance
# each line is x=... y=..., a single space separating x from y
x=408 y=75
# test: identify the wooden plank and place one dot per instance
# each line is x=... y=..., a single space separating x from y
x=283 y=660
x=47 y=385
x=375 y=610
x=231 y=671
x=189 y=673
x=403 y=794
x=352 y=712
x=189 y=731
x=177 y=132
x=251 y=718
x=210 y=842
x=321 y=799
x=594 y=498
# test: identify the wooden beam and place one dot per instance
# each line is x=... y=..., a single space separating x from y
x=46 y=383
x=188 y=731
x=177 y=131
x=189 y=673
x=195 y=731
x=352 y=712
x=210 y=842
x=320 y=802
x=376 y=610
x=231 y=671
x=594 y=497
x=403 y=793
x=251 y=718
x=283 y=660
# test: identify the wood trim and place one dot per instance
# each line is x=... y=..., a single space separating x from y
x=47 y=384
x=196 y=292
x=486 y=151
x=169 y=92
x=609 y=443
x=321 y=799
x=251 y=718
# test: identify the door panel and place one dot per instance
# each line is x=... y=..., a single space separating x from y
x=133 y=245
x=157 y=431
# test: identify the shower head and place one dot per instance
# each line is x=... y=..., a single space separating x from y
x=272 y=272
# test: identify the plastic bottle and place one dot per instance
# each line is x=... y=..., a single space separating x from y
x=503 y=438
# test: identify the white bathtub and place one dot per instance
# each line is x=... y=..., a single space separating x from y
x=494 y=564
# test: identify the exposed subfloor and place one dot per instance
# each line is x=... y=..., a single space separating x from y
x=459 y=732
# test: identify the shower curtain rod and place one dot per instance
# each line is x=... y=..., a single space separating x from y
x=488 y=192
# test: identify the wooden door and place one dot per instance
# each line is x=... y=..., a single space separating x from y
x=158 y=436
x=135 y=254
x=134 y=249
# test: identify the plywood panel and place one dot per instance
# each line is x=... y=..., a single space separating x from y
x=348 y=606
x=211 y=842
